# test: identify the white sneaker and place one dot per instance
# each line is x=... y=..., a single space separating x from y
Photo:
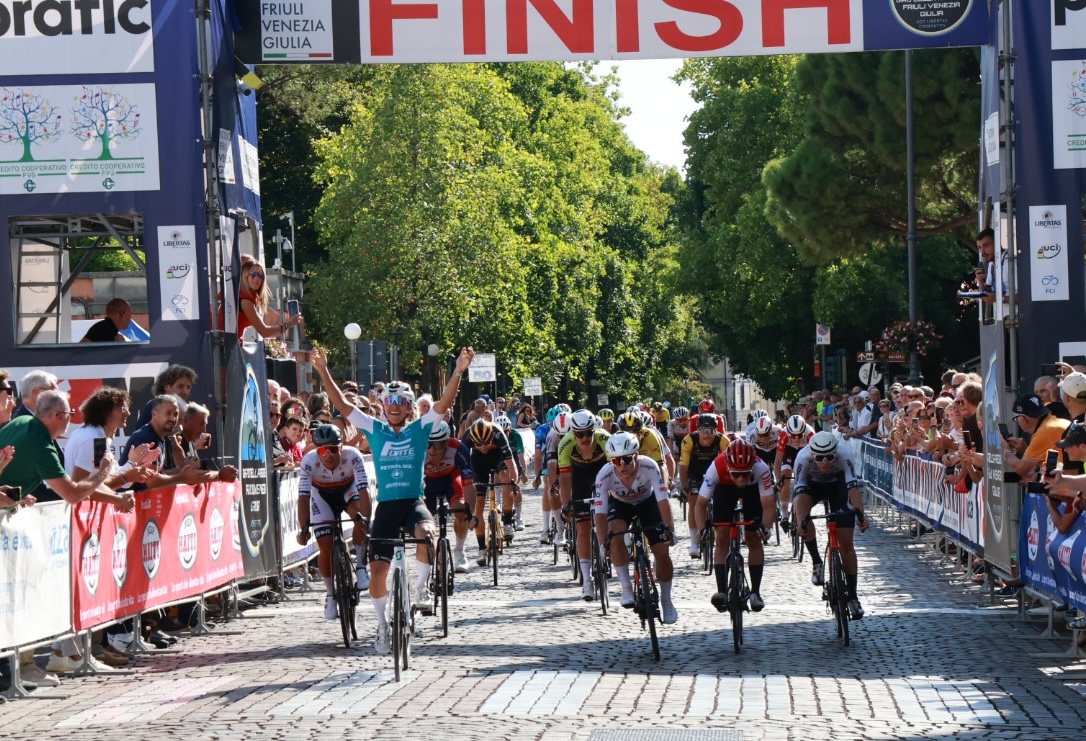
x=424 y=600
x=461 y=562
x=34 y=673
x=331 y=612
x=363 y=578
x=519 y=523
x=62 y=664
x=587 y=592
x=99 y=666
x=121 y=641
x=670 y=614
x=560 y=537
x=626 y=599
x=695 y=550
x=383 y=643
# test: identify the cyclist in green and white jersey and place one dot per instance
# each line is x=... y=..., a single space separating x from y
x=399 y=453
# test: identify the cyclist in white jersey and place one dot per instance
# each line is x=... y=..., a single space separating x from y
x=399 y=452
x=631 y=485
x=331 y=479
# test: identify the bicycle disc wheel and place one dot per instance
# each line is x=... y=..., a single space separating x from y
x=840 y=597
x=343 y=586
x=444 y=582
x=652 y=603
x=397 y=622
x=494 y=544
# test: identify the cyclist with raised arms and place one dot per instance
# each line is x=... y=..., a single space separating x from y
x=331 y=479
x=765 y=438
x=631 y=485
x=581 y=456
x=491 y=460
x=448 y=472
x=824 y=471
x=796 y=434
x=698 y=453
x=736 y=474
x=399 y=452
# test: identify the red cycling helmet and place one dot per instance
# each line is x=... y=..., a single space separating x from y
x=706 y=405
x=740 y=457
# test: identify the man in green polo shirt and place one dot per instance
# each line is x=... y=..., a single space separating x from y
x=36 y=466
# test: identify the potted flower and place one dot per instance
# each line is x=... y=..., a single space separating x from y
x=903 y=336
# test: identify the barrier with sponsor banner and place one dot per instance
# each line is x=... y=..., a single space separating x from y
x=35 y=584
x=176 y=544
x=1051 y=563
x=917 y=486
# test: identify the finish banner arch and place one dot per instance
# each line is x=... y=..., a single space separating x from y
x=393 y=31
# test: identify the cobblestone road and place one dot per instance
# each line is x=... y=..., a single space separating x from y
x=529 y=660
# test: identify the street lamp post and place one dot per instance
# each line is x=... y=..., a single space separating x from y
x=289 y=217
x=352 y=332
x=432 y=351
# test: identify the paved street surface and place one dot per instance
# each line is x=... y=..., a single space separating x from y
x=529 y=660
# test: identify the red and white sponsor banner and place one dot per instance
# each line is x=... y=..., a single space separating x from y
x=177 y=543
x=35 y=590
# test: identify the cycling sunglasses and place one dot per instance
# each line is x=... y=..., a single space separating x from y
x=397 y=400
x=747 y=472
x=326 y=449
x=624 y=460
x=583 y=434
x=827 y=458
x=436 y=445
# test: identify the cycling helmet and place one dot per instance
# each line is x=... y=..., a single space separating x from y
x=657 y=405
x=646 y=419
x=440 y=433
x=740 y=457
x=630 y=421
x=551 y=414
x=503 y=421
x=327 y=435
x=795 y=425
x=763 y=426
x=565 y=408
x=582 y=419
x=760 y=413
x=481 y=432
x=563 y=423
x=606 y=413
x=823 y=443
x=707 y=420
x=706 y=405
x=398 y=388
x=680 y=413
x=622 y=443
x=597 y=422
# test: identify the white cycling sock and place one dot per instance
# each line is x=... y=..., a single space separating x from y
x=360 y=555
x=546 y=520
x=424 y=576
x=623 y=574
x=460 y=542
x=380 y=605
x=586 y=569
x=329 y=585
x=694 y=534
x=665 y=591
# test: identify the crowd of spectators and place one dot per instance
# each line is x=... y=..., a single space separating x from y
x=165 y=448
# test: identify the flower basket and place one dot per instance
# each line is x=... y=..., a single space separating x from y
x=903 y=337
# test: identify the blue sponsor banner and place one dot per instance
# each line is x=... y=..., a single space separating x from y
x=1052 y=563
x=920 y=24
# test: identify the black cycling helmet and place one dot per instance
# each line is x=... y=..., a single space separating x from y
x=327 y=435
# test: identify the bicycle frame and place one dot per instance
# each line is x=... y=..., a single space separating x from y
x=738 y=592
x=835 y=590
x=646 y=598
x=402 y=620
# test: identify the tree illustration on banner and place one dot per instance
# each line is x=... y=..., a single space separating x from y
x=106 y=116
x=27 y=119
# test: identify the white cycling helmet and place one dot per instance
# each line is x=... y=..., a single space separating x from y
x=646 y=419
x=622 y=443
x=796 y=425
x=582 y=419
x=760 y=414
x=563 y=407
x=823 y=443
x=503 y=421
x=763 y=426
x=563 y=423
x=598 y=423
x=440 y=433
x=398 y=388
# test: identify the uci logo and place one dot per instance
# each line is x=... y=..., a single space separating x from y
x=1049 y=251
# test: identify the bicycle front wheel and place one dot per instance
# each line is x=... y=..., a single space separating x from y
x=494 y=543
x=797 y=542
x=398 y=619
x=735 y=599
x=651 y=602
x=599 y=572
x=444 y=576
x=839 y=597
x=343 y=587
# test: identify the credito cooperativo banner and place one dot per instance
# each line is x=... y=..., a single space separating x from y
x=177 y=543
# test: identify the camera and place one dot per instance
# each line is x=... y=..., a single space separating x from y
x=1035 y=487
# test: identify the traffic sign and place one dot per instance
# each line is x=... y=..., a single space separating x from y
x=822 y=334
x=880 y=357
x=865 y=357
x=483 y=368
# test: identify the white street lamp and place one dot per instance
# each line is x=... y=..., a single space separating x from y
x=352 y=332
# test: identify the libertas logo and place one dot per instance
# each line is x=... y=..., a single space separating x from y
x=930 y=17
x=73 y=17
x=1048 y=220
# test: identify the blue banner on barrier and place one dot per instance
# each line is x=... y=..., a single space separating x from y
x=1052 y=563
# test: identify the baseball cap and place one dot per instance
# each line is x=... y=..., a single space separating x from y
x=485 y=398
x=1030 y=405
x=1074 y=385
x=1075 y=435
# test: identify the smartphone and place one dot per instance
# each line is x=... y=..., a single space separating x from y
x=939 y=415
x=99 y=450
x=15 y=492
x=968 y=438
x=1052 y=461
x=1048 y=369
x=1003 y=431
x=293 y=308
x=916 y=422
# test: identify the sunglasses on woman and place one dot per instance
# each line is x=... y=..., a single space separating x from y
x=255 y=274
